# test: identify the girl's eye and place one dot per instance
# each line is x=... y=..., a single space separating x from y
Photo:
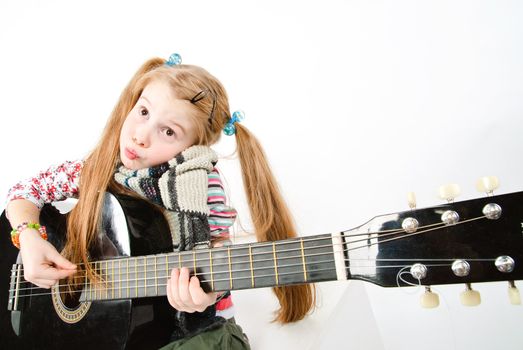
x=169 y=132
x=144 y=112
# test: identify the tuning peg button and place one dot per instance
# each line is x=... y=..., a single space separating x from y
x=449 y=192
x=418 y=271
x=429 y=299
x=504 y=263
x=470 y=297
x=487 y=184
x=450 y=217
x=410 y=225
x=460 y=267
x=492 y=211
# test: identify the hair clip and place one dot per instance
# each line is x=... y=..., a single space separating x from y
x=174 y=60
x=200 y=96
x=229 y=128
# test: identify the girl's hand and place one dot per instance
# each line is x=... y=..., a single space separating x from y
x=43 y=265
x=185 y=294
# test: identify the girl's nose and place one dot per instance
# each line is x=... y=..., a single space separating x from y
x=141 y=139
x=139 y=143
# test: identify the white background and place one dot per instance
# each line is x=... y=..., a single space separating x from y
x=355 y=102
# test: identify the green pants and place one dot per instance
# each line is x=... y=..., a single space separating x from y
x=228 y=336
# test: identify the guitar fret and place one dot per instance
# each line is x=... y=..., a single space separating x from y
x=145 y=275
x=179 y=260
x=99 y=284
x=275 y=263
x=96 y=284
x=85 y=283
x=303 y=260
x=91 y=290
x=166 y=269
x=106 y=279
x=127 y=276
x=194 y=262
x=113 y=283
x=103 y=289
x=120 y=279
x=97 y=288
x=136 y=277
x=230 y=269
x=210 y=263
x=102 y=280
x=88 y=286
x=252 y=270
x=155 y=277
x=93 y=293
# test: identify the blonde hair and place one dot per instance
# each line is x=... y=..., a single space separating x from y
x=271 y=217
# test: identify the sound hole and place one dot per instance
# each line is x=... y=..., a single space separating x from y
x=66 y=301
x=70 y=293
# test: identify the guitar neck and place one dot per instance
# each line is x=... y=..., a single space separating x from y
x=245 y=266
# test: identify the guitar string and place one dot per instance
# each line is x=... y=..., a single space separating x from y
x=258 y=245
x=281 y=251
x=228 y=279
x=270 y=244
x=190 y=262
x=282 y=266
x=138 y=288
x=413 y=234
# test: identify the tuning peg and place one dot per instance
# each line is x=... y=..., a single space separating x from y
x=411 y=199
x=513 y=294
x=470 y=297
x=449 y=192
x=487 y=184
x=429 y=299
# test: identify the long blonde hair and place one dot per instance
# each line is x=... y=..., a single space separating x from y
x=270 y=215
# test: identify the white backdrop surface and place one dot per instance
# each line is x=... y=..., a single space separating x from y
x=355 y=102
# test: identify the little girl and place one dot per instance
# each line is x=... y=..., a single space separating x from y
x=156 y=139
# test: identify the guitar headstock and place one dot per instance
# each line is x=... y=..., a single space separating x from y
x=479 y=240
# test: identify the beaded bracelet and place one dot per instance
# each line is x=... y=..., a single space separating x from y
x=15 y=234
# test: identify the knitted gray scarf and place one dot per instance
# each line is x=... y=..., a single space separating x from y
x=180 y=186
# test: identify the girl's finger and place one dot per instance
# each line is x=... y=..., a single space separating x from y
x=174 y=287
x=183 y=288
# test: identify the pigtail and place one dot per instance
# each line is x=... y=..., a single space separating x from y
x=272 y=220
x=96 y=178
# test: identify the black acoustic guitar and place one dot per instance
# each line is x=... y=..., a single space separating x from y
x=478 y=240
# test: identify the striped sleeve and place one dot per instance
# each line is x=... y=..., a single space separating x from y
x=221 y=215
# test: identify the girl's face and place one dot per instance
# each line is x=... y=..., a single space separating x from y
x=157 y=128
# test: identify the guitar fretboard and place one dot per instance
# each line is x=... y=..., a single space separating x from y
x=265 y=264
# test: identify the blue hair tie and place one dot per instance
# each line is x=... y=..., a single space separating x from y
x=229 y=128
x=174 y=60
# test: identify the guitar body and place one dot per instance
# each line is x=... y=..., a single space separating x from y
x=130 y=227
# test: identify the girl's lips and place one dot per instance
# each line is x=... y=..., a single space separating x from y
x=131 y=154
